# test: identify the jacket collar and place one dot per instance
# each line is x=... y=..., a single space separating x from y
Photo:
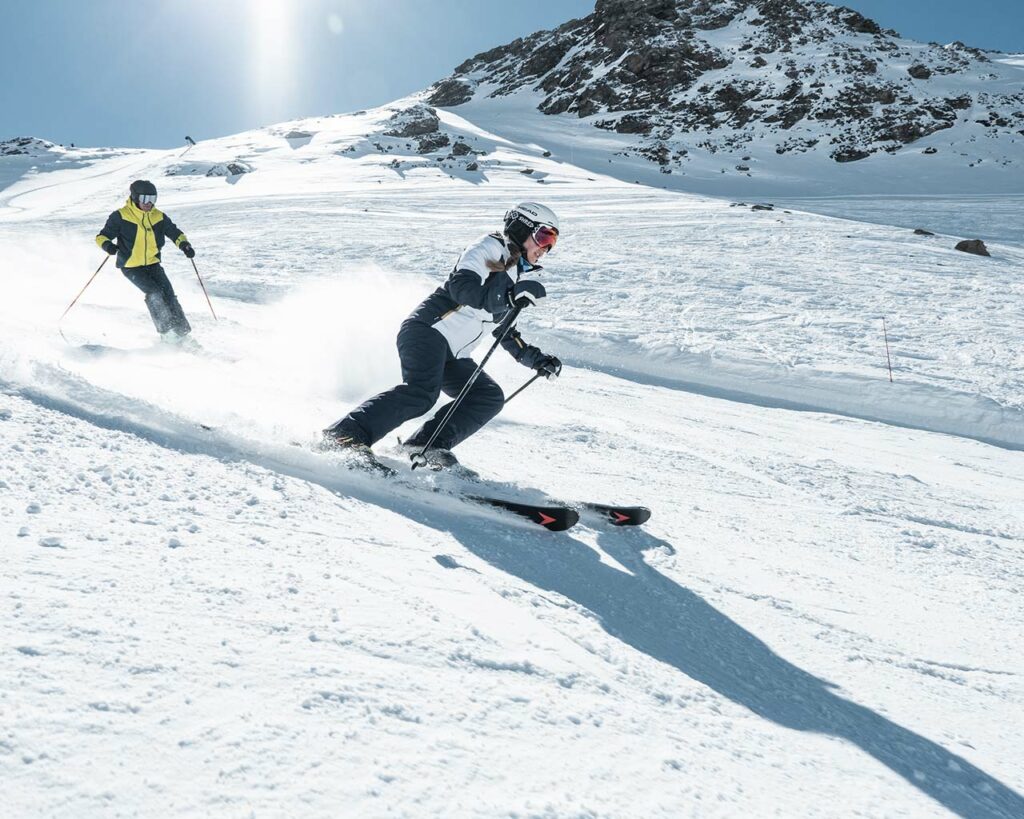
x=137 y=212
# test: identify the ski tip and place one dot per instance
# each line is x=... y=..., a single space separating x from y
x=621 y=515
x=637 y=516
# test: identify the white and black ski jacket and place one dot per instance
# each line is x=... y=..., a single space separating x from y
x=476 y=299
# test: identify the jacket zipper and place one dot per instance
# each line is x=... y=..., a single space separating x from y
x=468 y=343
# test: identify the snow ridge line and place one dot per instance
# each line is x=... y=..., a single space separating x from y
x=902 y=404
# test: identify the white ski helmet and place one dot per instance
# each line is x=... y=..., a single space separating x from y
x=525 y=218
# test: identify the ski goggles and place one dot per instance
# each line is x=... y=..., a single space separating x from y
x=546 y=236
x=146 y=198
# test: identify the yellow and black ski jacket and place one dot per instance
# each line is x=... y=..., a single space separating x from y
x=139 y=235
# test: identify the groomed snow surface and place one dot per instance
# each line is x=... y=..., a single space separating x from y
x=822 y=617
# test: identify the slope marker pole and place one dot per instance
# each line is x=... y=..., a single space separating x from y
x=888 y=360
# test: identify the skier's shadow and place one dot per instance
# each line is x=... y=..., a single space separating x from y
x=672 y=624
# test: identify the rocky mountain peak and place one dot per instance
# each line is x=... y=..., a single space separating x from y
x=797 y=75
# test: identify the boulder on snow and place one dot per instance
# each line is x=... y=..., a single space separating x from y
x=433 y=142
x=228 y=169
x=849 y=155
x=419 y=120
x=213 y=169
x=922 y=232
x=919 y=72
x=975 y=246
x=298 y=139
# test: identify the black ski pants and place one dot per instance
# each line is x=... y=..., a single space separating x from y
x=428 y=369
x=163 y=305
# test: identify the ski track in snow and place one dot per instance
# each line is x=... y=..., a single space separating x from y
x=821 y=613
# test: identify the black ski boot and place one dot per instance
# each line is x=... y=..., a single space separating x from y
x=356 y=453
x=437 y=460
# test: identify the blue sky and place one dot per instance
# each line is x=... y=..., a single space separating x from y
x=100 y=72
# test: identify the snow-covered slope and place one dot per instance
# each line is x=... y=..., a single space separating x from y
x=779 y=306
x=200 y=618
x=759 y=97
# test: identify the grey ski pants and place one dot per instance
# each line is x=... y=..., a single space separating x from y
x=163 y=305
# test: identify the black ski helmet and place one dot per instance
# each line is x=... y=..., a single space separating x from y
x=139 y=188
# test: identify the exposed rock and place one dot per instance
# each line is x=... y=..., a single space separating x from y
x=460 y=148
x=473 y=166
x=649 y=68
x=860 y=23
x=211 y=169
x=450 y=92
x=433 y=142
x=546 y=57
x=633 y=124
x=922 y=232
x=849 y=154
x=21 y=146
x=930 y=150
x=416 y=121
x=975 y=246
x=763 y=206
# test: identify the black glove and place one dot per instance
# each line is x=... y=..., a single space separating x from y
x=548 y=366
x=187 y=249
x=526 y=292
x=110 y=247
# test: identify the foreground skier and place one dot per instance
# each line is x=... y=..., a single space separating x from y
x=436 y=340
x=136 y=234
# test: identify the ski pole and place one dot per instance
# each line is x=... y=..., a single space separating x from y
x=527 y=384
x=418 y=458
x=204 y=287
x=80 y=292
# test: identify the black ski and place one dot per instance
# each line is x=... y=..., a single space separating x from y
x=552 y=518
x=620 y=515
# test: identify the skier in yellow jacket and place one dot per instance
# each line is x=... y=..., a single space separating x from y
x=136 y=234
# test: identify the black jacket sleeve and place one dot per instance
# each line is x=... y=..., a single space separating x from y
x=111 y=229
x=171 y=231
x=491 y=295
x=525 y=354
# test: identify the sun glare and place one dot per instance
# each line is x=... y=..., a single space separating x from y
x=272 y=25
